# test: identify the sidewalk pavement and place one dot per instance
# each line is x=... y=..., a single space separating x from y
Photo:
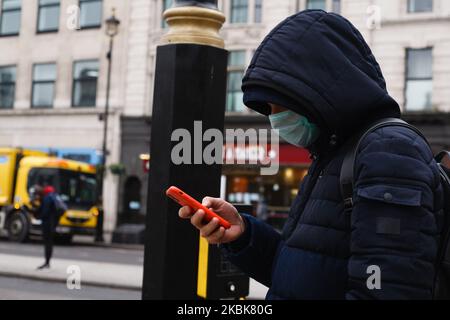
x=100 y=274
x=107 y=243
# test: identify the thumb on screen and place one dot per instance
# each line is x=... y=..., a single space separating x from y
x=211 y=202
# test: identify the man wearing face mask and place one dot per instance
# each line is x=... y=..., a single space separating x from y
x=292 y=127
x=318 y=82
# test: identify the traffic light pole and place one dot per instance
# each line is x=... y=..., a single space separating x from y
x=190 y=86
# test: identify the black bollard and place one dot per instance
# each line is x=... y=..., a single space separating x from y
x=190 y=86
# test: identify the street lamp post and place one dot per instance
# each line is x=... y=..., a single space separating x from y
x=112 y=29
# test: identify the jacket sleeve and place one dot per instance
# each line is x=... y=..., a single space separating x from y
x=394 y=225
x=255 y=251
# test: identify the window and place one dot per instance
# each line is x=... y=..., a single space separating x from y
x=239 y=11
x=10 y=17
x=420 y=5
x=48 y=16
x=336 y=6
x=77 y=189
x=44 y=76
x=90 y=13
x=419 y=79
x=316 y=4
x=236 y=66
x=132 y=195
x=84 y=92
x=258 y=11
x=7 y=87
x=166 y=5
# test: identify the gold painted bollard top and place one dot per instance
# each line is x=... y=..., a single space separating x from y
x=195 y=25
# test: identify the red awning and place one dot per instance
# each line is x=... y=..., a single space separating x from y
x=286 y=154
x=290 y=154
x=252 y=154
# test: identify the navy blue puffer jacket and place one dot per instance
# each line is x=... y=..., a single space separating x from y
x=317 y=64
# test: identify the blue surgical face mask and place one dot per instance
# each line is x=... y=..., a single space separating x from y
x=294 y=128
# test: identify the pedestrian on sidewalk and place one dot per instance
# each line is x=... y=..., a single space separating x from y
x=317 y=81
x=49 y=213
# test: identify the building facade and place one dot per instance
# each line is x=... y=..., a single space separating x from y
x=53 y=73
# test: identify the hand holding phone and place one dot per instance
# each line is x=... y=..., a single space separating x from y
x=185 y=200
x=213 y=231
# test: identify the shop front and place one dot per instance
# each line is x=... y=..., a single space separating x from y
x=135 y=143
x=270 y=195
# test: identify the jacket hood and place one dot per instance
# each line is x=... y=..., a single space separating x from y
x=317 y=64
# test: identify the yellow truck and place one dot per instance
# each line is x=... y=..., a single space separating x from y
x=74 y=181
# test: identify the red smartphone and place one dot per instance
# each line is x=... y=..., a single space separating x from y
x=184 y=199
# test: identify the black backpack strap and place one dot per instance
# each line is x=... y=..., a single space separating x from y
x=441 y=155
x=347 y=170
x=441 y=288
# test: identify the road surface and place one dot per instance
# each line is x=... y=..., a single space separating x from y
x=106 y=272
x=26 y=289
